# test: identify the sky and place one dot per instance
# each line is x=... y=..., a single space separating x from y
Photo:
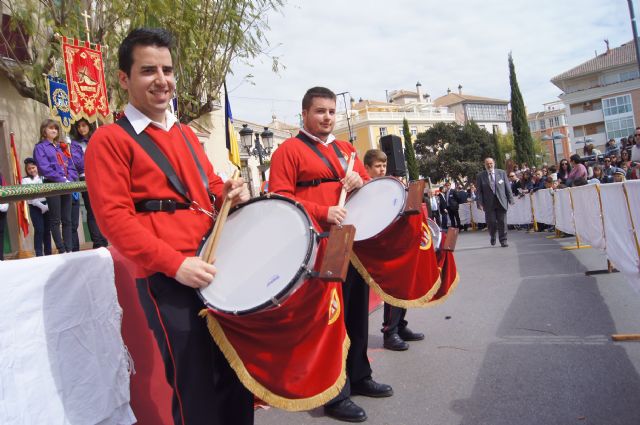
x=365 y=47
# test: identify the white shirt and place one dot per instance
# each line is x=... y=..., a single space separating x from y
x=635 y=153
x=140 y=121
x=36 y=180
x=330 y=139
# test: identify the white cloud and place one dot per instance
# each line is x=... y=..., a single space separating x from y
x=369 y=46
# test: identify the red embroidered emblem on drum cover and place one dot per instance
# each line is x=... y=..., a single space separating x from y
x=334 y=306
x=425 y=241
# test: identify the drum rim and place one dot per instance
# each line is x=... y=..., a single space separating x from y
x=404 y=202
x=298 y=275
x=438 y=237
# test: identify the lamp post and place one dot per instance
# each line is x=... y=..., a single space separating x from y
x=553 y=138
x=261 y=149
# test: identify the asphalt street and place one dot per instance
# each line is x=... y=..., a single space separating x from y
x=524 y=339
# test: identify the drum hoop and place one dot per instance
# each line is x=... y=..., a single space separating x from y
x=404 y=201
x=298 y=275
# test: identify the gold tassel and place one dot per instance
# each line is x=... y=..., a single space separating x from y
x=423 y=301
x=257 y=389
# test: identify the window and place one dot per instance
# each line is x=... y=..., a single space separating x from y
x=483 y=112
x=618 y=128
x=17 y=43
x=542 y=125
x=383 y=131
x=617 y=105
x=414 y=130
x=533 y=126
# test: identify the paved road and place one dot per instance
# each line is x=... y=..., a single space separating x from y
x=525 y=339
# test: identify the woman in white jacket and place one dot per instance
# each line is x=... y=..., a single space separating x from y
x=39 y=212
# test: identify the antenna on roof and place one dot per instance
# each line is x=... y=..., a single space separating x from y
x=606 y=41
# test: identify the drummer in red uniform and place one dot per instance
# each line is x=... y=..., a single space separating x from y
x=159 y=227
x=311 y=169
x=394 y=326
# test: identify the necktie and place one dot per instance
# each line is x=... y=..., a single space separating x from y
x=493 y=182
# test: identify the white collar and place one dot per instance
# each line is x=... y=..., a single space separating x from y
x=330 y=139
x=140 y=121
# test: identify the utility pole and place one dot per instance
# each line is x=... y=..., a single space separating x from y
x=635 y=32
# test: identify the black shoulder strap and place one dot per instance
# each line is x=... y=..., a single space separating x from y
x=156 y=155
x=307 y=141
x=203 y=176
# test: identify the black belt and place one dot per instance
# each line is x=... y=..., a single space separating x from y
x=315 y=182
x=156 y=205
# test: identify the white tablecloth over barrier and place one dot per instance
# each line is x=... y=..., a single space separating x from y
x=465 y=213
x=563 y=212
x=587 y=215
x=62 y=358
x=520 y=211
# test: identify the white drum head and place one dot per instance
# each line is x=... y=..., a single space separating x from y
x=262 y=248
x=375 y=206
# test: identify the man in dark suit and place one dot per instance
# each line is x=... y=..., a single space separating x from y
x=453 y=205
x=444 y=214
x=493 y=197
x=433 y=204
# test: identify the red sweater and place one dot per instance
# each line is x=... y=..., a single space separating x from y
x=120 y=173
x=294 y=162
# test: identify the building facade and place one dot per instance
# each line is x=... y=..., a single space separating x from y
x=490 y=114
x=552 y=122
x=602 y=97
x=367 y=121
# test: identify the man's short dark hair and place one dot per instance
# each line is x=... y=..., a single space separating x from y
x=158 y=37
x=313 y=92
x=575 y=158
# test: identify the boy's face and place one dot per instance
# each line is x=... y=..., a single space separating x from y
x=377 y=169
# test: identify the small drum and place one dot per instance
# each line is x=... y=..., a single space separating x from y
x=266 y=250
x=374 y=206
x=436 y=233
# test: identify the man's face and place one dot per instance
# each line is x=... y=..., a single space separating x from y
x=320 y=118
x=447 y=186
x=377 y=169
x=512 y=176
x=488 y=164
x=151 y=84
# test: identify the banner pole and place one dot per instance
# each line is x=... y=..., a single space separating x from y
x=533 y=215
x=575 y=229
x=633 y=225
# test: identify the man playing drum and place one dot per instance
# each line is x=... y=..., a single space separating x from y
x=311 y=169
x=394 y=326
x=159 y=225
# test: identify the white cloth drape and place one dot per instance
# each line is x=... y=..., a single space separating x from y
x=62 y=358
x=520 y=211
x=478 y=215
x=465 y=213
x=587 y=216
x=563 y=212
x=543 y=206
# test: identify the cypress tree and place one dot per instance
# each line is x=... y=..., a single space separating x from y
x=522 y=140
x=409 y=152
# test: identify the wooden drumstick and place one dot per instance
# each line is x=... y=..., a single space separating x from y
x=217 y=227
x=343 y=194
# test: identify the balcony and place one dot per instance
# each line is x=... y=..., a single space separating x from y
x=586 y=118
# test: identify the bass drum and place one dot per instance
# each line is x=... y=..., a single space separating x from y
x=266 y=249
x=374 y=206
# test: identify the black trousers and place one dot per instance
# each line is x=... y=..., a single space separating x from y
x=96 y=235
x=454 y=216
x=205 y=388
x=393 y=319
x=496 y=221
x=75 y=222
x=60 y=212
x=355 y=293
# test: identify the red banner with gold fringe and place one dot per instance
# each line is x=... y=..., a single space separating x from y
x=85 y=79
x=292 y=357
x=400 y=264
x=21 y=206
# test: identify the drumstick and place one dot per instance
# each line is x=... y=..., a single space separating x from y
x=343 y=194
x=217 y=227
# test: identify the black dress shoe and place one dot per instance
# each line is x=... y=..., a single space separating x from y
x=345 y=410
x=395 y=343
x=407 y=335
x=504 y=244
x=493 y=241
x=370 y=388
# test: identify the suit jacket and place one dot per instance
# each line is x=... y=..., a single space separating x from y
x=484 y=194
x=452 y=199
x=442 y=202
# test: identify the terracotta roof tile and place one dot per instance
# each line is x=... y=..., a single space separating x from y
x=623 y=55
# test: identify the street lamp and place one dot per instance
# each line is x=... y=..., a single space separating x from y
x=553 y=138
x=261 y=150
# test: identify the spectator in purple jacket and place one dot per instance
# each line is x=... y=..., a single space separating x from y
x=80 y=134
x=578 y=171
x=56 y=166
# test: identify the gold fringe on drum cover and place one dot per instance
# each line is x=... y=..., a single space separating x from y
x=259 y=390
x=418 y=302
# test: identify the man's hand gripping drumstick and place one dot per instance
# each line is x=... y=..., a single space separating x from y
x=351 y=181
x=196 y=272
